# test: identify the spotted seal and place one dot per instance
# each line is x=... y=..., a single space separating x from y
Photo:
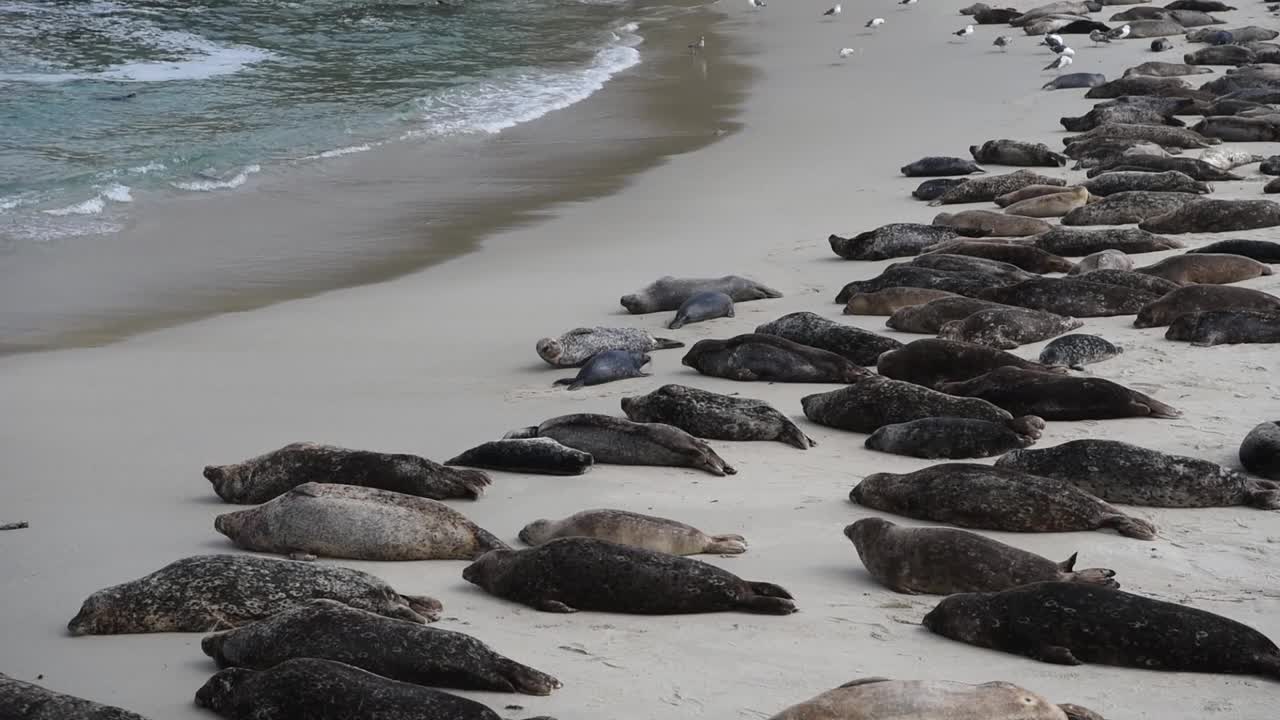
x=1127 y=207
x=1050 y=206
x=700 y=307
x=1071 y=297
x=1194 y=168
x=1206 y=269
x=876 y=697
x=1207 y=215
x=1260 y=250
x=628 y=528
x=669 y=293
x=955 y=438
x=1123 y=473
x=875 y=402
x=616 y=441
x=934 y=188
x=1130 y=279
x=992 y=223
x=576 y=347
x=1076 y=351
x=890 y=300
x=954 y=281
x=1200 y=298
x=987 y=498
x=316 y=689
x=1017 y=153
x=607 y=367
x=204 y=593
x=1105 y=260
x=272 y=474
x=1007 y=328
x=857 y=346
x=935 y=166
x=1074 y=242
x=965 y=263
x=1236 y=128
x=1260 y=451
x=987 y=189
x=892 y=240
x=1073 y=623
x=944 y=561
x=769 y=358
x=1163 y=135
x=28 y=701
x=1225 y=327
x=539 y=456
x=1228 y=158
x=577 y=573
x=933 y=362
x=1059 y=397
x=1128 y=114
x=705 y=414
x=345 y=521
x=1110 y=183
x=394 y=649
x=1155 y=68
x=1031 y=259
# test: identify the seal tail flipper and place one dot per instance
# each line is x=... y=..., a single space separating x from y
x=524 y=679
x=487 y=541
x=1075 y=712
x=427 y=609
x=769 y=590
x=1157 y=409
x=767 y=605
x=1095 y=576
x=1268 y=499
x=469 y=484
x=1270 y=664
x=666 y=343
x=1129 y=526
x=726 y=545
x=795 y=437
x=1069 y=564
x=864 y=681
x=676 y=323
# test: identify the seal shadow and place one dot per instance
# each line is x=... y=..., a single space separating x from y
x=213 y=500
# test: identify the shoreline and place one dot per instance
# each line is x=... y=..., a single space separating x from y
x=108 y=445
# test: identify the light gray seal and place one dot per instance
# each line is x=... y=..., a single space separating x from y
x=628 y=528
x=1133 y=206
x=876 y=697
x=1123 y=473
x=987 y=189
x=272 y=474
x=713 y=416
x=394 y=649
x=1225 y=327
x=1059 y=397
x=1260 y=451
x=875 y=402
x=933 y=362
x=576 y=347
x=988 y=498
x=204 y=593
x=539 y=456
x=857 y=346
x=27 y=701
x=891 y=241
x=1105 y=260
x=770 y=358
x=1155 y=28
x=315 y=689
x=1071 y=297
x=616 y=441
x=607 y=367
x=1076 y=351
x=1206 y=215
x=940 y=167
x=944 y=561
x=955 y=438
x=1110 y=183
x=1162 y=135
x=700 y=307
x=345 y=521
x=1017 y=153
x=1007 y=328
x=1206 y=269
x=1200 y=298
x=1075 y=242
x=1073 y=623
x=576 y=573
x=669 y=293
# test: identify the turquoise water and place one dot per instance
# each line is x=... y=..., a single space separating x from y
x=106 y=101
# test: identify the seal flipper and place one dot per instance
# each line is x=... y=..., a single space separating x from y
x=1075 y=712
x=795 y=437
x=1056 y=654
x=1095 y=576
x=661 y=343
x=427 y=608
x=1269 y=664
x=726 y=544
x=524 y=679
x=767 y=605
x=1155 y=408
x=864 y=681
x=1128 y=526
x=769 y=590
x=1069 y=564
x=1267 y=498
x=555 y=606
x=487 y=541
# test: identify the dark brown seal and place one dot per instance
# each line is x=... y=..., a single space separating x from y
x=928 y=319
x=1076 y=242
x=1260 y=451
x=933 y=362
x=1073 y=623
x=1261 y=250
x=987 y=498
x=1200 y=298
x=1206 y=215
x=952 y=281
x=1206 y=269
x=1225 y=327
x=955 y=438
x=1071 y=297
x=858 y=346
x=1031 y=259
x=572 y=574
x=1059 y=397
x=617 y=441
x=943 y=561
x=705 y=414
x=538 y=456
x=890 y=300
x=1017 y=153
x=669 y=293
x=875 y=402
x=1007 y=328
x=769 y=358
x=28 y=701
x=890 y=241
x=1130 y=279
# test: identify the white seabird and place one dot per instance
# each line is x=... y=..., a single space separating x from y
x=846 y=52
x=1119 y=33
x=757 y=4
x=1061 y=62
x=1052 y=39
x=1064 y=50
x=833 y=10
x=698 y=44
x=1003 y=42
x=908 y=2
x=966 y=31
x=1098 y=36
x=875 y=22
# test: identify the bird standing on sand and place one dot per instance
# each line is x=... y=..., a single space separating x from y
x=1098 y=36
x=966 y=31
x=875 y=22
x=1119 y=33
x=1064 y=50
x=1003 y=42
x=907 y=2
x=698 y=44
x=846 y=52
x=1061 y=62
x=833 y=10
x=757 y=4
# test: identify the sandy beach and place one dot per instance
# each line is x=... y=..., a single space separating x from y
x=104 y=446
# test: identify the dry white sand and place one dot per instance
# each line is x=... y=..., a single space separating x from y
x=103 y=447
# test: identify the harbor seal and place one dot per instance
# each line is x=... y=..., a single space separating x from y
x=1074 y=242
x=394 y=649
x=204 y=593
x=1071 y=81
x=669 y=293
x=992 y=223
x=28 y=701
x=1007 y=328
x=628 y=528
x=1194 y=168
x=769 y=358
x=890 y=241
x=866 y=406
x=1110 y=183
x=875 y=698
x=987 y=498
x=1220 y=55
x=1155 y=68
x=1031 y=259
x=1073 y=623
x=1076 y=351
x=1228 y=158
x=1127 y=113
x=1260 y=451
x=1225 y=327
x=964 y=263
x=1206 y=269
x=1071 y=297
x=986 y=189
x=933 y=362
x=945 y=561
x=1161 y=44
x=1199 y=5
x=700 y=307
x=940 y=167
x=713 y=416
x=954 y=281
x=538 y=456
x=607 y=367
x=1127 y=207
x=1048 y=206
x=315 y=689
x=1237 y=128
x=1260 y=250
x=1155 y=28
x=577 y=573
x=1123 y=473
x=1200 y=298
x=1059 y=397
x=934 y=188
x=1163 y=135
x=1130 y=279
x=616 y=441
x=857 y=346
x=272 y=474
x=955 y=438
x=345 y=521
x=1207 y=215
x=890 y=300
x=1026 y=193
x=1017 y=153
x=1105 y=260
x=576 y=347
x=1140 y=85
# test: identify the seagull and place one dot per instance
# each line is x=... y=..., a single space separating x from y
x=1098 y=36
x=966 y=32
x=1061 y=62
x=1064 y=50
x=1003 y=42
x=875 y=22
x=1119 y=33
x=699 y=44
x=846 y=52
x=757 y=4
x=1052 y=39
x=908 y=2
x=833 y=10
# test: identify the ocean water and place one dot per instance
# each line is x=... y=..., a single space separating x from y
x=107 y=102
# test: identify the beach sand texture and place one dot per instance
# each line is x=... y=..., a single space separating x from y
x=103 y=447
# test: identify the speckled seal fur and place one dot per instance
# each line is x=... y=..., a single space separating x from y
x=669 y=293
x=576 y=347
x=877 y=401
x=713 y=416
x=27 y=701
x=618 y=441
x=955 y=438
x=628 y=528
x=857 y=346
x=1076 y=351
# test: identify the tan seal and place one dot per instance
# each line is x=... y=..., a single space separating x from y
x=634 y=529
x=1052 y=205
